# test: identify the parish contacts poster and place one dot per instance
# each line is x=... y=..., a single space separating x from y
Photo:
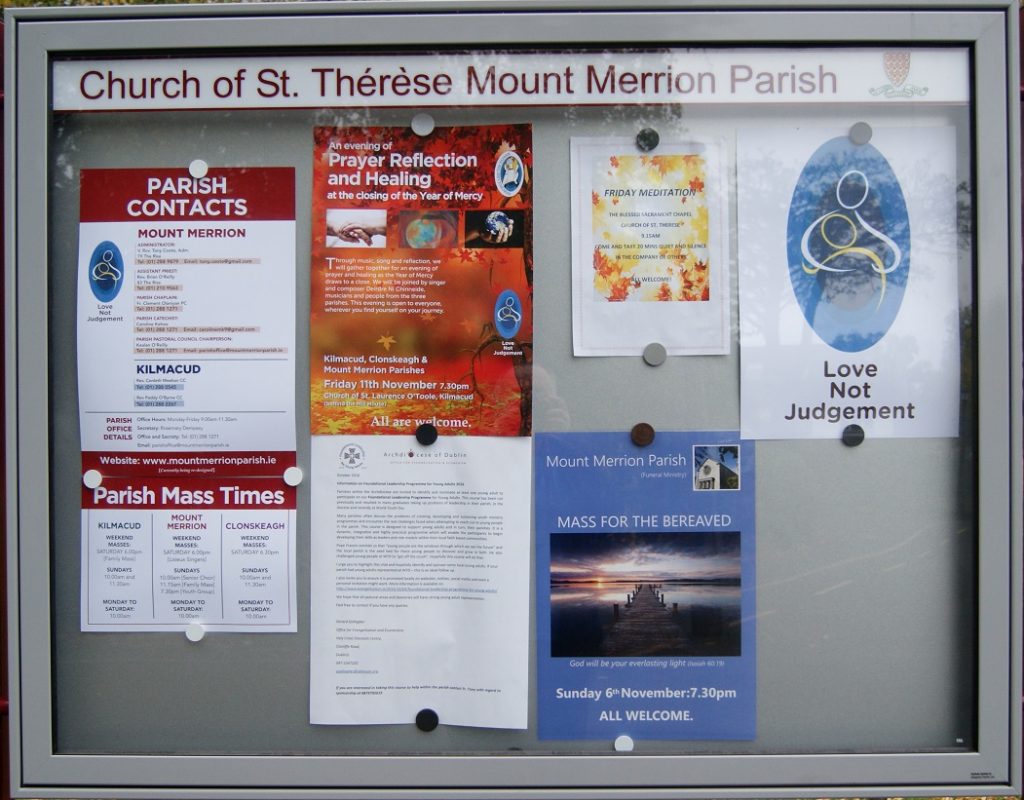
x=186 y=364
x=645 y=586
x=186 y=309
x=848 y=261
x=422 y=280
x=649 y=248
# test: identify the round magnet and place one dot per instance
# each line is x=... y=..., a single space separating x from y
x=427 y=719
x=293 y=476
x=647 y=139
x=195 y=632
x=92 y=478
x=624 y=744
x=198 y=168
x=853 y=435
x=655 y=354
x=861 y=133
x=642 y=434
x=426 y=434
x=422 y=124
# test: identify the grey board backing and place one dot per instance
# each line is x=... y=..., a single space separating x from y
x=866 y=611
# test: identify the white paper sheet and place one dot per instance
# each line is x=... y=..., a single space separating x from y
x=888 y=361
x=160 y=570
x=186 y=368
x=420 y=580
x=650 y=258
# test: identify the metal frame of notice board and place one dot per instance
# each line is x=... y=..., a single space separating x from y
x=921 y=534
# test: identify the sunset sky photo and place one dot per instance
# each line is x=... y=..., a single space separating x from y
x=645 y=557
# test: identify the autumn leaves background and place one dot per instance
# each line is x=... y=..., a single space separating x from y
x=654 y=247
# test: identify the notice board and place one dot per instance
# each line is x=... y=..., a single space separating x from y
x=487 y=400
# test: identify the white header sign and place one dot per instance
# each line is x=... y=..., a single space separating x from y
x=932 y=75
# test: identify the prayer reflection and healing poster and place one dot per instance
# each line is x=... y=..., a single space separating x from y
x=649 y=260
x=422 y=280
x=848 y=261
x=645 y=586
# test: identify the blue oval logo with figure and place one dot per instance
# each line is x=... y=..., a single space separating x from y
x=508 y=314
x=509 y=173
x=106 y=272
x=848 y=241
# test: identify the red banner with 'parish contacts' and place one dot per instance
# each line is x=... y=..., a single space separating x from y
x=422 y=280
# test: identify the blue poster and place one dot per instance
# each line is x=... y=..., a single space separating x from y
x=645 y=586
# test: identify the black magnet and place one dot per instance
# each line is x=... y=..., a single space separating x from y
x=426 y=433
x=427 y=720
x=853 y=435
x=642 y=434
x=647 y=139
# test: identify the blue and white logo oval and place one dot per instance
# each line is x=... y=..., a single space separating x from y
x=509 y=173
x=106 y=272
x=848 y=241
x=508 y=314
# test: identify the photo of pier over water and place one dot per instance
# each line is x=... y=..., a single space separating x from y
x=645 y=594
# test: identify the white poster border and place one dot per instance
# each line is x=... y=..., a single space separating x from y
x=626 y=328
x=793 y=385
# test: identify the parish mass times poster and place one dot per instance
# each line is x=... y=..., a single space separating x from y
x=645 y=586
